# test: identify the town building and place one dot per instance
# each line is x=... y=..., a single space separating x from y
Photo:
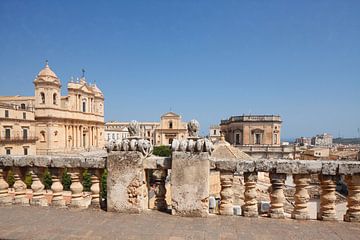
x=252 y=130
x=315 y=154
x=214 y=133
x=17 y=134
x=303 y=141
x=60 y=124
x=164 y=132
x=324 y=139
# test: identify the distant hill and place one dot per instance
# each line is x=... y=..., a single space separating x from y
x=346 y=140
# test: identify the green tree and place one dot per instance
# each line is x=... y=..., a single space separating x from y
x=86 y=181
x=28 y=180
x=104 y=185
x=47 y=179
x=66 y=180
x=10 y=179
x=162 y=151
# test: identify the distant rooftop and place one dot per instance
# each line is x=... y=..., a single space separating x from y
x=252 y=118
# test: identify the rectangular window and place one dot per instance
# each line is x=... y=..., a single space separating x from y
x=24 y=115
x=25 y=151
x=25 y=133
x=8 y=151
x=257 y=138
x=7 y=133
x=6 y=113
x=237 y=138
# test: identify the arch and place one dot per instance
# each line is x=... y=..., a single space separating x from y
x=42 y=136
x=55 y=99
x=84 y=105
x=23 y=106
x=42 y=97
x=170 y=124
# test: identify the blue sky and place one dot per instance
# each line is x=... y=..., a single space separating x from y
x=206 y=60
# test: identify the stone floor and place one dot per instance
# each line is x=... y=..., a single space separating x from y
x=49 y=223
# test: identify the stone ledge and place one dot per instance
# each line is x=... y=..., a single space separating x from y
x=325 y=167
x=52 y=161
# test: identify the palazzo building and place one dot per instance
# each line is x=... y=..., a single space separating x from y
x=164 y=132
x=252 y=130
x=61 y=124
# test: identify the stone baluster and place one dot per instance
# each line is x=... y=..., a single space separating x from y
x=20 y=190
x=327 y=198
x=160 y=190
x=57 y=189
x=226 y=205
x=250 y=208
x=301 y=196
x=37 y=187
x=95 y=190
x=77 y=199
x=353 y=198
x=277 y=197
x=5 y=198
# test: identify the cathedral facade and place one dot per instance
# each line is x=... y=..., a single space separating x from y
x=62 y=124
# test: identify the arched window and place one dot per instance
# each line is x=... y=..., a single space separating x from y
x=42 y=136
x=54 y=98
x=42 y=96
x=22 y=106
x=170 y=125
x=84 y=105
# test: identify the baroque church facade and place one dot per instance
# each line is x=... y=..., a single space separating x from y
x=62 y=124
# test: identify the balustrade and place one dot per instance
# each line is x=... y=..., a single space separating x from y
x=328 y=172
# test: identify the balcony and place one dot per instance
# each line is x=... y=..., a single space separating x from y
x=18 y=140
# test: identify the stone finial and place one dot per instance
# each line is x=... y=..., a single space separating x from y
x=190 y=145
x=193 y=128
x=5 y=199
x=38 y=191
x=134 y=129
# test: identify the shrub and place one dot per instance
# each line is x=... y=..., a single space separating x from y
x=28 y=180
x=66 y=180
x=86 y=181
x=47 y=179
x=162 y=151
x=104 y=185
x=10 y=179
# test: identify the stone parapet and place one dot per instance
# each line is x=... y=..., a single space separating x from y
x=53 y=161
x=288 y=166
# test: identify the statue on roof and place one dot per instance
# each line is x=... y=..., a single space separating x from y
x=193 y=128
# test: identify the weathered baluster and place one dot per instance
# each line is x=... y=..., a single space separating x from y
x=20 y=190
x=327 y=198
x=226 y=205
x=160 y=190
x=5 y=198
x=302 y=197
x=37 y=187
x=95 y=190
x=353 y=198
x=277 y=197
x=250 y=208
x=77 y=199
x=57 y=189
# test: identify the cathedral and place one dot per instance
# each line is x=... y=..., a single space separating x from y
x=54 y=124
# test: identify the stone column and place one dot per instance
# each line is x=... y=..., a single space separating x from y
x=95 y=190
x=77 y=199
x=57 y=189
x=250 y=208
x=353 y=198
x=20 y=190
x=277 y=197
x=160 y=190
x=226 y=206
x=38 y=198
x=301 y=196
x=327 y=198
x=5 y=198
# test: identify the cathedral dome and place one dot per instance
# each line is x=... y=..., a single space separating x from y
x=47 y=75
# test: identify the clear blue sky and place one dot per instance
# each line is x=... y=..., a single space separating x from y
x=206 y=60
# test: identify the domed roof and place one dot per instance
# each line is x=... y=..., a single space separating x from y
x=46 y=75
x=46 y=71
